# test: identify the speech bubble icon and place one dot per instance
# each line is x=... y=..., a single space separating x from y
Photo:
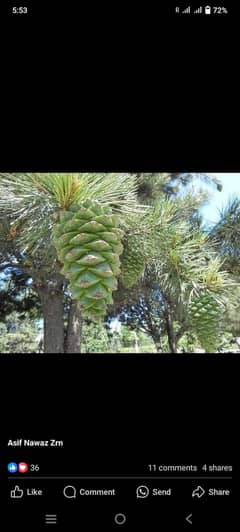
x=142 y=492
x=70 y=492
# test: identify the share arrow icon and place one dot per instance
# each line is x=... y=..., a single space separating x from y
x=198 y=492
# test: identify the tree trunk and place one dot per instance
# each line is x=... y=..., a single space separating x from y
x=53 y=315
x=158 y=346
x=156 y=337
x=74 y=330
x=136 y=343
x=56 y=340
x=170 y=331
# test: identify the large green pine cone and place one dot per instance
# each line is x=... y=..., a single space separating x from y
x=88 y=243
x=204 y=315
x=132 y=262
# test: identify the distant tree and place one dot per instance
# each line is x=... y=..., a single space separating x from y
x=142 y=312
x=153 y=185
x=95 y=338
x=226 y=236
x=16 y=294
x=18 y=336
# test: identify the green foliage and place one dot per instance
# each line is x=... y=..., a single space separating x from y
x=133 y=341
x=154 y=185
x=231 y=316
x=181 y=262
x=189 y=343
x=95 y=338
x=17 y=336
x=226 y=235
x=16 y=295
x=32 y=202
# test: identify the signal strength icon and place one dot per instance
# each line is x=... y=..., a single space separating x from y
x=199 y=10
x=187 y=10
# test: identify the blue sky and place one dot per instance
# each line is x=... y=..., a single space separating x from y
x=231 y=186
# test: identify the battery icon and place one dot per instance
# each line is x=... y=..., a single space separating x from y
x=207 y=10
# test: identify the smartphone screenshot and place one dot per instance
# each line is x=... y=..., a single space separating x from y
x=119 y=271
x=117 y=305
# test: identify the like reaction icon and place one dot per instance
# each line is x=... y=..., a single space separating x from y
x=16 y=493
x=12 y=467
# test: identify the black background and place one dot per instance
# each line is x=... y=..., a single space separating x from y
x=116 y=415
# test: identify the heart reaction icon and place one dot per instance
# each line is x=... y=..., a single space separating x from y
x=22 y=467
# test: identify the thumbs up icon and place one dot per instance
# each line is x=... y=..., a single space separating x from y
x=16 y=493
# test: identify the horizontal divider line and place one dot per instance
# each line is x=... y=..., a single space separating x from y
x=119 y=478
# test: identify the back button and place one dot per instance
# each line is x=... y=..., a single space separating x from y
x=189 y=519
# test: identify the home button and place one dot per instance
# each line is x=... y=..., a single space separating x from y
x=120 y=519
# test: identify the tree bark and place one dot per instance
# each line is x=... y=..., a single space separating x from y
x=180 y=333
x=170 y=331
x=50 y=289
x=74 y=330
x=158 y=346
x=51 y=297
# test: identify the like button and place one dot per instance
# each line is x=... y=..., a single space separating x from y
x=16 y=493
